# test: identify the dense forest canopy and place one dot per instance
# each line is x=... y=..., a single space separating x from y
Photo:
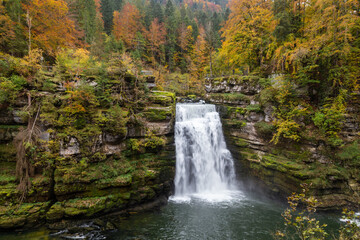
x=168 y=36
x=311 y=44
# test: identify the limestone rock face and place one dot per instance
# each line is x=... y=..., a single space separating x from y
x=93 y=170
x=71 y=148
x=248 y=128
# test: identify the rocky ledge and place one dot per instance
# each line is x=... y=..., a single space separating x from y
x=94 y=174
x=248 y=123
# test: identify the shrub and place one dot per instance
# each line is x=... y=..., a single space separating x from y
x=350 y=152
x=329 y=118
x=10 y=87
x=115 y=121
x=286 y=124
x=253 y=108
x=150 y=143
x=301 y=222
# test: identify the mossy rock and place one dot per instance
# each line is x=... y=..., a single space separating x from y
x=254 y=108
x=9 y=194
x=238 y=124
x=7 y=152
x=158 y=114
x=56 y=212
x=91 y=206
x=265 y=129
x=241 y=143
x=119 y=181
x=229 y=97
x=25 y=214
x=161 y=97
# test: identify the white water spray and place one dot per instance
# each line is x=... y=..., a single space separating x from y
x=204 y=166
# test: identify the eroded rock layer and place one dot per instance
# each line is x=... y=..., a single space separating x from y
x=249 y=125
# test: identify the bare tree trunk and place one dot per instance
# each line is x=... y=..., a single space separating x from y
x=29 y=23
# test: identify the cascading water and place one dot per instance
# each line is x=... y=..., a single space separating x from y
x=203 y=163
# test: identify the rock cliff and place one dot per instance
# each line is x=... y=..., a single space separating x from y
x=248 y=121
x=105 y=160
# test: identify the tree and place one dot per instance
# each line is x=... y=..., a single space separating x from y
x=156 y=36
x=171 y=26
x=7 y=33
x=200 y=56
x=185 y=37
x=107 y=11
x=87 y=19
x=289 y=20
x=248 y=33
x=48 y=25
x=126 y=24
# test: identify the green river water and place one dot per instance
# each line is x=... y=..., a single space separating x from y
x=236 y=216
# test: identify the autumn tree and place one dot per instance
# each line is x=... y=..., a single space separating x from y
x=126 y=24
x=244 y=43
x=6 y=28
x=185 y=42
x=156 y=37
x=199 y=60
x=48 y=26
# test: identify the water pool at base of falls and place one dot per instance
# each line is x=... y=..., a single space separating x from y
x=239 y=216
x=206 y=204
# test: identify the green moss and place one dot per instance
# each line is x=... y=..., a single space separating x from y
x=254 y=108
x=230 y=97
x=163 y=98
x=235 y=123
x=7 y=153
x=17 y=216
x=319 y=182
x=10 y=126
x=267 y=96
x=148 y=144
x=350 y=153
x=264 y=129
x=241 y=143
x=280 y=163
x=235 y=110
x=158 y=114
x=119 y=181
x=56 y=212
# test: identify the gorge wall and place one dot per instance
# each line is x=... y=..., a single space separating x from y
x=248 y=113
x=100 y=160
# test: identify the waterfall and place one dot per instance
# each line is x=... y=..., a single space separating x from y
x=203 y=163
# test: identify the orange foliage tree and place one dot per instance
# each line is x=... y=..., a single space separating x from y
x=199 y=60
x=48 y=25
x=156 y=37
x=6 y=27
x=126 y=24
x=185 y=37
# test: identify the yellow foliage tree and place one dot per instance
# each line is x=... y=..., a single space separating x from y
x=48 y=25
x=247 y=33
